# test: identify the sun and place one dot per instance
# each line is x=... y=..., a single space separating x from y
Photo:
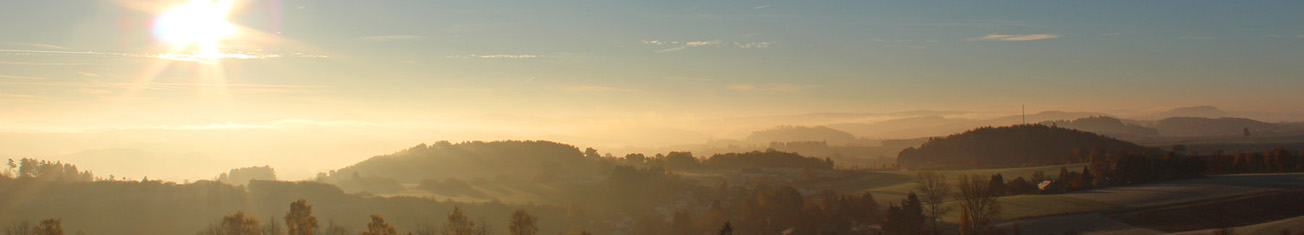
x=200 y=23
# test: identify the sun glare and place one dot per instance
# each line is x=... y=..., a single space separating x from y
x=200 y=23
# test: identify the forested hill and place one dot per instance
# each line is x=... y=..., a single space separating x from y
x=467 y=160
x=1011 y=146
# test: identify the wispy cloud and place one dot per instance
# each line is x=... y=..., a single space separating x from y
x=702 y=43
x=688 y=44
x=213 y=58
x=94 y=91
x=391 y=38
x=88 y=74
x=20 y=96
x=595 y=89
x=34 y=45
x=780 y=87
x=21 y=77
x=40 y=63
x=201 y=58
x=762 y=7
x=1017 y=37
x=522 y=56
x=678 y=46
x=287 y=123
x=1201 y=38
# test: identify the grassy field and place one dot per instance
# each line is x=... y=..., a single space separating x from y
x=1167 y=206
x=892 y=186
x=1083 y=209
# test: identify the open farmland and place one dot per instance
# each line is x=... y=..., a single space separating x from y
x=1150 y=208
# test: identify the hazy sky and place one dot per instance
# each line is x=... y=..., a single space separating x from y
x=334 y=81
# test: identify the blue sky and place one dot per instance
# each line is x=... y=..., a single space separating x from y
x=540 y=69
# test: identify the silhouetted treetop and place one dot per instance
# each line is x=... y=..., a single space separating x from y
x=768 y=158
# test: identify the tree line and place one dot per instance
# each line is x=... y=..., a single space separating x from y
x=300 y=221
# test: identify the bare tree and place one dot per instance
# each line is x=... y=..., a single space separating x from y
x=978 y=207
x=332 y=229
x=935 y=189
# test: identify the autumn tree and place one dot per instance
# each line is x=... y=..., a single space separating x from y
x=459 y=224
x=235 y=224
x=934 y=189
x=299 y=221
x=523 y=223
x=978 y=207
x=727 y=229
x=379 y=227
x=54 y=226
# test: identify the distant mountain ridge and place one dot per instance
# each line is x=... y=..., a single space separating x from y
x=1008 y=146
x=1197 y=126
x=924 y=126
x=1105 y=125
x=801 y=133
x=1194 y=111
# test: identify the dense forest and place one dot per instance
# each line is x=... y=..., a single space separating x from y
x=1011 y=146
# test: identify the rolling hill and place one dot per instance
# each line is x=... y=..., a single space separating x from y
x=1010 y=146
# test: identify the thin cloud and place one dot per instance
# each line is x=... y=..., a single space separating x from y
x=391 y=38
x=88 y=74
x=94 y=91
x=20 y=96
x=523 y=56
x=753 y=44
x=1017 y=37
x=1201 y=38
x=780 y=87
x=762 y=7
x=34 y=45
x=21 y=77
x=199 y=58
x=40 y=63
x=279 y=124
x=702 y=43
x=678 y=46
x=742 y=87
x=595 y=89
x=212 y=58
